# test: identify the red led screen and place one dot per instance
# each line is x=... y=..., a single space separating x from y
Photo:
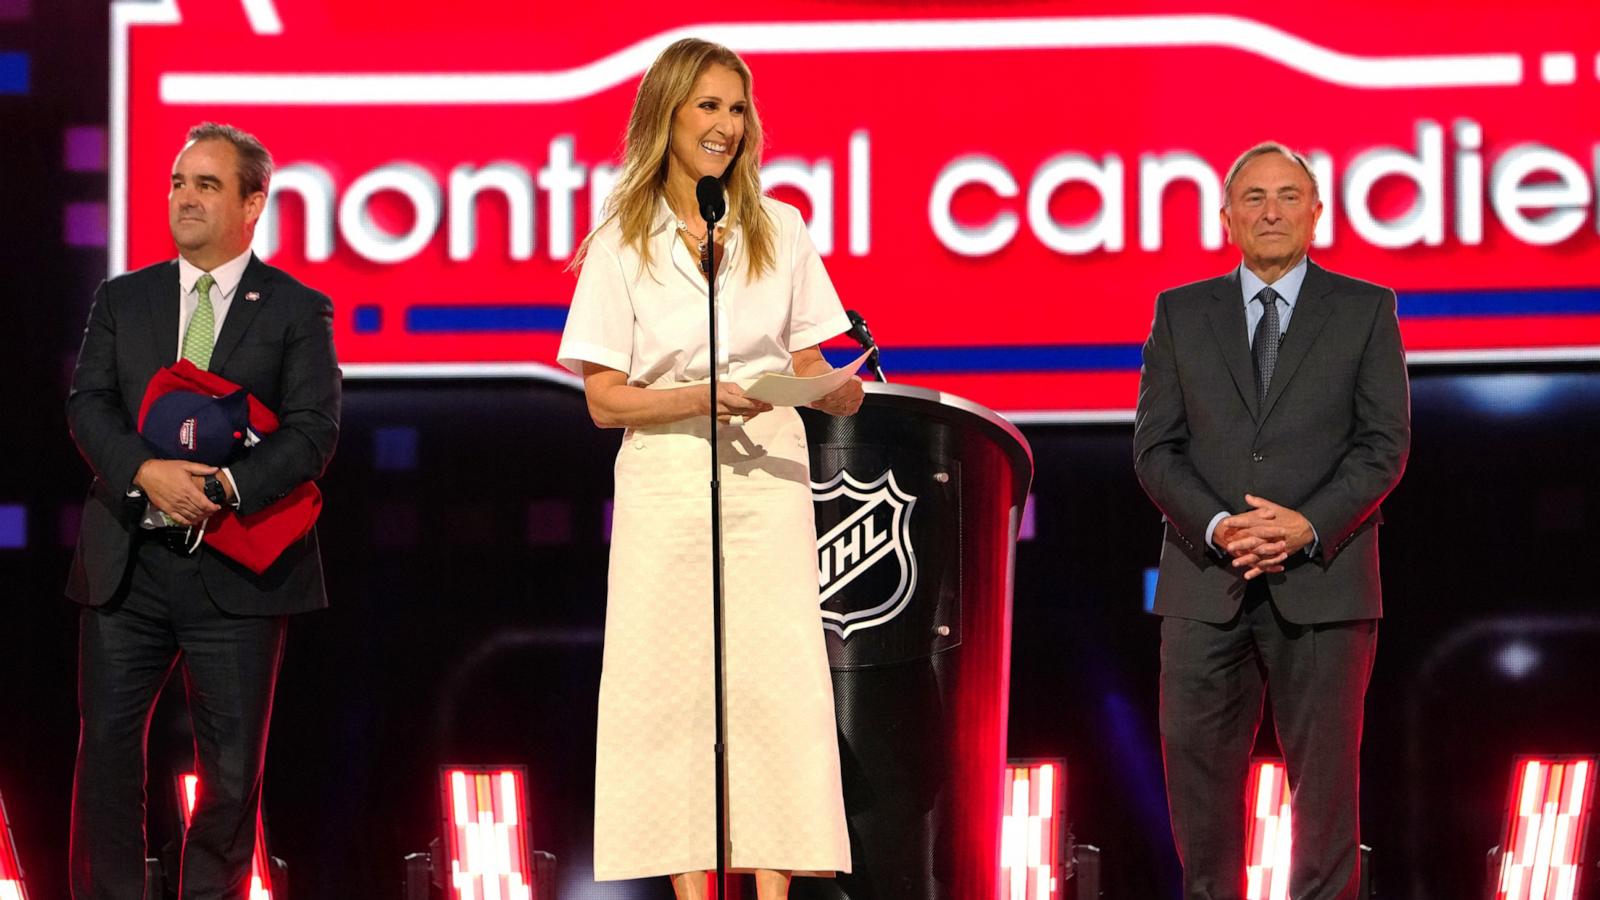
x=1000 y=190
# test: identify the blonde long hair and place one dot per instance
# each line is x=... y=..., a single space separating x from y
x=635 y=201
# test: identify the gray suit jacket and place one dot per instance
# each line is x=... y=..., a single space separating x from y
x=1330 y=440
x=279 y=347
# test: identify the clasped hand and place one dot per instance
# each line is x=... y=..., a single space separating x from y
x=1261 y=540
x=176 y=487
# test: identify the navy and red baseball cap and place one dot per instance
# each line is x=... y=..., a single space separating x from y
x=197 y=427
x=191 y=414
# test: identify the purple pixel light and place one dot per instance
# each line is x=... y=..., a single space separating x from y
x=85 y=224
x=13 y=526
x=83 y=147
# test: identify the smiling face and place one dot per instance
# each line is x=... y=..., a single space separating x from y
x=211 y=220
x=708 y=127
x=1272 y=213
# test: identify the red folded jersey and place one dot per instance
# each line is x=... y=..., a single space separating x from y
x=257 y=540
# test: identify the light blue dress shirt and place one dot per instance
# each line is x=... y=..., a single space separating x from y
x=1288 y=288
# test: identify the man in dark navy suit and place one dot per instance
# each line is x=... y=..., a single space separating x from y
x=153 y=601
x=1273 y=418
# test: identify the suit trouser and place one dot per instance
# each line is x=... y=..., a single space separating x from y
x=1212 y=682
x=127 y=651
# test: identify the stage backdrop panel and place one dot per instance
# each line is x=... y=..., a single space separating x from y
x=1000 y=188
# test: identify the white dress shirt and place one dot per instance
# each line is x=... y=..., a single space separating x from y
x=227 y=277
x=652 y=324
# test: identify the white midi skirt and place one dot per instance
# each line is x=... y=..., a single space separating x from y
x=655 y=789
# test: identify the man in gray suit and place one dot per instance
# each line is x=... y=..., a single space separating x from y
x=1268 y=449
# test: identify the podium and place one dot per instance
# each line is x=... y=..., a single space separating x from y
x=919 y=498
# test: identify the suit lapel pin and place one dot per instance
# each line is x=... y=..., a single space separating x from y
x=253 y=296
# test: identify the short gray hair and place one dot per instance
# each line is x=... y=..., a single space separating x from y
x=255 y=163
x=1262 y=149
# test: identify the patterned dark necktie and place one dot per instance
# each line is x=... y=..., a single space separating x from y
x=1264 y=348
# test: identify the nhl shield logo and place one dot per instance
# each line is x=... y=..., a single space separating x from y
x=866 y=567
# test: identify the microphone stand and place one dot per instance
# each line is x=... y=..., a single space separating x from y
x=712 y=212
x=863 y=336
x=872 y=363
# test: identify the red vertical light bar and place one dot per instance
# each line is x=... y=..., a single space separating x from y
x=11 y=886
x=486 y=840
x=1547 y=824
x=1268 y=831
x=1031 y=829
x=260 y=863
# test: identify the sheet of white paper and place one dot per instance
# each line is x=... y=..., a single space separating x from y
x=789 y=390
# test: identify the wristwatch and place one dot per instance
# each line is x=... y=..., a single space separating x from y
x=214 y=490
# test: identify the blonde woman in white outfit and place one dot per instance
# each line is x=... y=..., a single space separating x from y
x=637 y=335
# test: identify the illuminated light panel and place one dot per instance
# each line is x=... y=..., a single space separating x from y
x=13 y=526
x=485 y=836
x=260 y=864
x=1268 y=834
x=1547 y=823
x=84 y=224
x=1031 y=829
x=11 y=886
x=14 y=75
x=451 y=308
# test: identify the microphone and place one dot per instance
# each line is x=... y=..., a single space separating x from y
x=863 y=336
x=713 y=206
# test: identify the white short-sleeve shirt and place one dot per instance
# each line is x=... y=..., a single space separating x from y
x=651 y=324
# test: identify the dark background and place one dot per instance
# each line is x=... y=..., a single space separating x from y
x=464 y=539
